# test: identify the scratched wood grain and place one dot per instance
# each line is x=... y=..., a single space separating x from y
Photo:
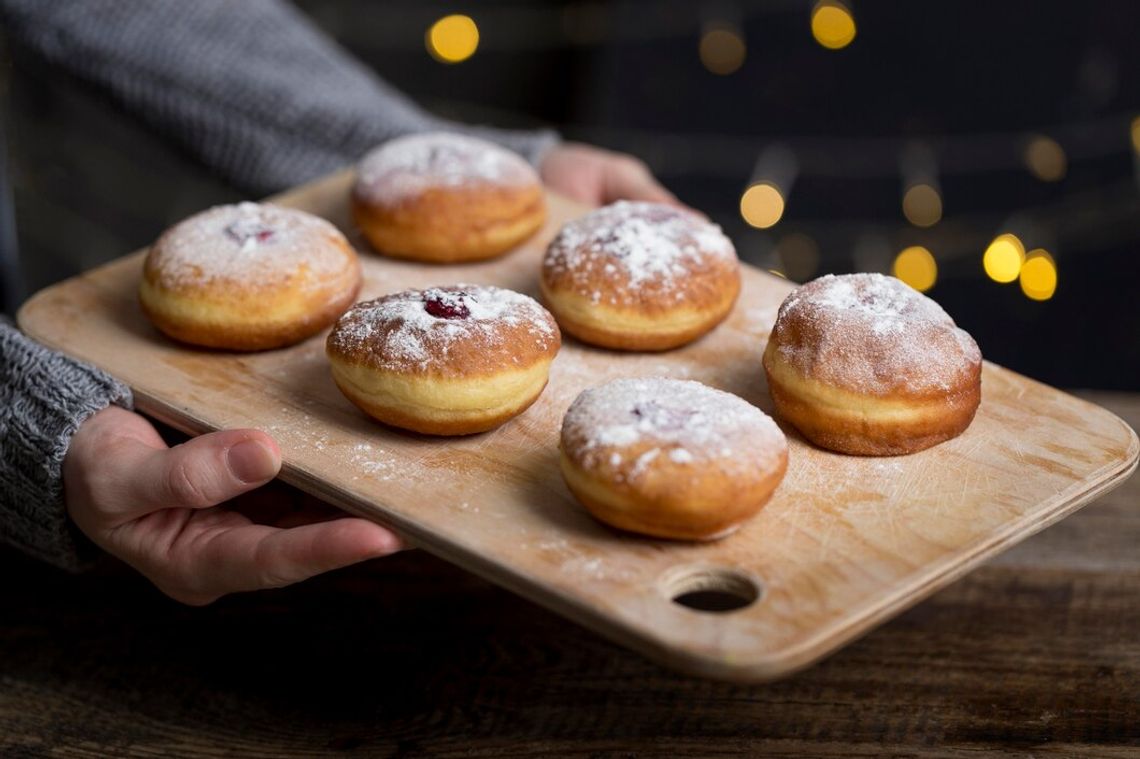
x=846 y=542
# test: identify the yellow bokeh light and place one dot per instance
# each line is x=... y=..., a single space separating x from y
x=922 y=205
x=762 y=205
x=1038 y=276
x=452 y=39
x=916 y=266
x=832 y=24
x=722 y=50
x=1003 y=258
x=1045 y=159
x=1136 y=134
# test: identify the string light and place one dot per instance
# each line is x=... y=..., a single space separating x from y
x=452 y=39
x=916 y=266
x=762 y=205
x=922 y=205
x=722 y=49
x=1003 y=258
x=1045 y=159
x=921 y=200
x=832 y=24
x=1038 y=276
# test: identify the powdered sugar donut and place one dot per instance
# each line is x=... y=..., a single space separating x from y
x=446 y=197
x=446 y=360
x=670 y=458
x=248 y=276
x=640 y=276
x=862 y=363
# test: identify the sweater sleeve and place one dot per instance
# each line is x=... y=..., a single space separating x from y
x=252 y=88
x=44 y=397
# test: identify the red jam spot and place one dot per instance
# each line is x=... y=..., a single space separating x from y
x=445 y=305
x=243 y=231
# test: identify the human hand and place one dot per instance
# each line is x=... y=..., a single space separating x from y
x=597 y=176
x=164 y=511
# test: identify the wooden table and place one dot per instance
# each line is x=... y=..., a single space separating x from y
x=1035 y=654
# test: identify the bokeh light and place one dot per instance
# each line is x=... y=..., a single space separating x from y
x=762 y=205
x=922 y=205
x=916 y=266
x=1045 y=159
x=832 y=24
x=452 y=39
x=1003 y=258
x=1038 y=276
x=722 y=50
x=1136 y=134
x=799 y=256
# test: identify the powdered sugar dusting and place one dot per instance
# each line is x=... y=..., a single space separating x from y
x=248 y=244
x=408 y=166
x=685 y=422
x=634 y=244
x=874 y=334
x=398 y=332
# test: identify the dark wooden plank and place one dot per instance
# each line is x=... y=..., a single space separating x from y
x=1034 y=654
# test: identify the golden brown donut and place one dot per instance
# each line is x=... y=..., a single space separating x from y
x=446 y=360
x=640 y=276
x=446 y=198
x=863 y=364
x=670 y=458
x=249 y=277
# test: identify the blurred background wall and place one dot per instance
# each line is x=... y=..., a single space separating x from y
x=986 y=152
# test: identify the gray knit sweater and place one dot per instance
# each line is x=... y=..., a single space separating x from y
x=258 y=94
x=44 y=397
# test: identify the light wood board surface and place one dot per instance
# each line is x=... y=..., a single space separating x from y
x=845 y=543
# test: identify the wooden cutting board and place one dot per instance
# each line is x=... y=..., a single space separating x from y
x=846 y=542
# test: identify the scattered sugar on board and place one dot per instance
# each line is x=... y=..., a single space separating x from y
x=872 y=333
x=408 y=166
x=689 y=422
x=249 y=242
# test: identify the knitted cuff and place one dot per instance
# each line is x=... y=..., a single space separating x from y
x=44 y=398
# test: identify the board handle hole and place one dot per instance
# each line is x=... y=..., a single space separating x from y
x=710 y=589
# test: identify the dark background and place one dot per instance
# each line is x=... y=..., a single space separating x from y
x=971 y=81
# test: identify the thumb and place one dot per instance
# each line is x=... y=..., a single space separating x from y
x=206 y=471
x=634 y=182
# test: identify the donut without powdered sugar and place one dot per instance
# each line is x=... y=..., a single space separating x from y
x=640 y=276
x=445 y=360
x=248 y=276
x=670 y=458
x=446 y=198
x=864 y=364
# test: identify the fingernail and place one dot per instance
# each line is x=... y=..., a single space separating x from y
x=250 y=461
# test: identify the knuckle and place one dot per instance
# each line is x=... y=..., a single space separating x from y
x=270 y=571
x=633 y=164
x=184 y=488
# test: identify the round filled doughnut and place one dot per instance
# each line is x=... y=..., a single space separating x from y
x=670 y=458
x=864 y=364
x=248 y=276
x=446 y=198
x=640 y=276
x=445 y=360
